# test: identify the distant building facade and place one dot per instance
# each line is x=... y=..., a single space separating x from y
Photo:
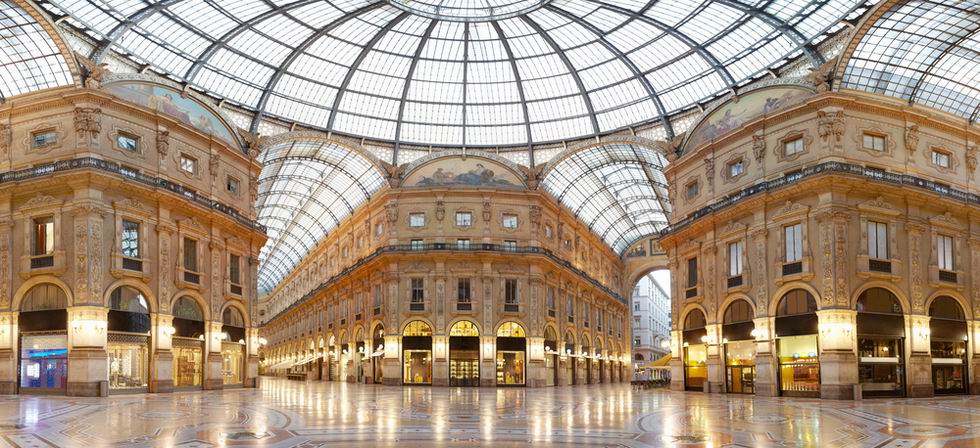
x=651 y=321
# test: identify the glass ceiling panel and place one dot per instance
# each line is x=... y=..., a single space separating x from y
x=619 y=190
x=306 y=189
x=29 y=58
x=924 y=52
x=439 y=72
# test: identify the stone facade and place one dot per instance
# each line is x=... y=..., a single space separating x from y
x=876 y=188
x=80 y=164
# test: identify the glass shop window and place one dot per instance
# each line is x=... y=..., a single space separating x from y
x=463 y=244
x=127 y=142
x=735 y=252
x=233 y=185
x=190 y=254
x=418 y=290
x=235 y=269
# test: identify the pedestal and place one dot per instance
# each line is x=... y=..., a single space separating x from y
x=920 y=376
x=87 y=368
x=536 y=373
x=213 y=378
x=716 y=375
x=391 y=369
x=440 y=373
x=488 y=373
x=8 y=372
x=162 y=372
x=766 y=384
x=838 y=374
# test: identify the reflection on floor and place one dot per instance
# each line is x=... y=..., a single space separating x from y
x=285 y=413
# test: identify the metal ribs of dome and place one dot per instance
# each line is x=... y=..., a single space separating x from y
x=558 y=71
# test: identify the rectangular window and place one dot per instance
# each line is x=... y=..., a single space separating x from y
x=43 y=139
x=464 y=219
x=736 y=168
x=793 y=147
x=551 y=300
x=944 y=252
x=940 y=158
x=636 y=306
x=235 y=269
x=692 y=190
x=735 y=252
x=233 y=185
x=127 y=142
x=418 y=244
x=510 y=221
x=570 y=307
x=510 y=292
x=130 y=239
x=463 y=244
x=874 y=142
x=510 y=246
x=692 y=272
x=585 y=314
x=418 y=290
x=416 y=219
x=877 y=240
x=188 y=163
x=190 y=254
x=463 y=290
x=794 y=242
x=43 y=236
x=379 y=229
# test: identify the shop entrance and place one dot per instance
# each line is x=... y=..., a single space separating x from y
x=233 y=347
x=417 y=353
x=43 y=342
x=948 y=336
x=464 y=355
x=188 y=344
x=799 y=362
x=377 y=354
x=128 y=341
x=739 y=347
x=550 y=357
x=511 y=354
x=695 y=351
x=881 y=344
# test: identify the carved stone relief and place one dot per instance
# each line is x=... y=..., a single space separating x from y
x=830 y=124
x=912 y=138
x=915 y=266
x=759 y=147
x=5 y=136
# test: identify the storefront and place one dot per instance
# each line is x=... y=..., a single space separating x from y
x=881 y=344
x=511 y=354
x=550 y=357
x=948 y=335
x=377 y=354
x=358 y=353
x=333 y=361
x=233 y=347
x=128 y=341
x=43 y=325
x=739 y=345
x=601 y=374
x=571 y=359
x=695 y=351
x=586 y=358
x=464 y=355
x=796 y=345
x=417 y=353
x=188 y=344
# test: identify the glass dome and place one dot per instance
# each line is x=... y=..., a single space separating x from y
x=477 y=73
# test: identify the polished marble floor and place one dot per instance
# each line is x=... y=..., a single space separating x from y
x=293 y=414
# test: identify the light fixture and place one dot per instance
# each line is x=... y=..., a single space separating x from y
x=547 y=349
x=241 y=341
x=168 y=331
x=224 y=336
x=263 y=341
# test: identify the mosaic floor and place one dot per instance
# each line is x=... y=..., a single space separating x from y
x=292 y=414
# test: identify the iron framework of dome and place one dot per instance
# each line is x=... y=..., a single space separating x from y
x=29 y=58
x=925 y=52
x=477 y=73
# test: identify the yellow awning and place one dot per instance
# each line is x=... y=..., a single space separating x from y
x=662 y=362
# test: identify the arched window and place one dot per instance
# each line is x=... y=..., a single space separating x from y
x=946 y=307
x=738 y=311
x=464 y=328
x=188 y=309
x=128 y=299
x=797 y=301
x=878 y=300
x=42 y=297
x=417 y=328
x=379 y=332
x=510 y=330
x=694 y=320
x=232 y=317
x=639 y=357
x=550 y=335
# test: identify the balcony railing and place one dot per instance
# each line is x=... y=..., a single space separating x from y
x=818 y=170
x=947 y=276
x=191 y=277
x=45 y=261
x=793 y=268
x=880 y=266
x=132 y=264
x=475 y=248
x=464 y=306
x=511 y=308
x=416 y=306
x=235 y=289
x=735 y=281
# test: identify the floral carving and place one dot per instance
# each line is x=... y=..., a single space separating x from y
x=840 y=257
x=88 y=122
x=915 y=266
x=826 y=248
x=5 y=134
x=81 y=258
x=4 y=266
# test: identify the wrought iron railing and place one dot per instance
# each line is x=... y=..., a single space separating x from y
x=820 y=169
x=106 y=166
x=438 y=247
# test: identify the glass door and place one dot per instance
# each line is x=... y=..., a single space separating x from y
x=740 y=367
x=232 y=362
x=551 y=370
x=799 y=366
x=188 y=363
x=44 y=364
x=695 y=367
x=129 y=363
x=881 y=371
x=418 y=366
x=949 y=367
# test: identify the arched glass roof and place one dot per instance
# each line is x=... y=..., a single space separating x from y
x=926 y=52
x=479 y=73
x=29 y=58
x=619 y=190
x=306 y=189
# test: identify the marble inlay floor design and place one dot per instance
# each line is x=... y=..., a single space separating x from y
x=295 y=414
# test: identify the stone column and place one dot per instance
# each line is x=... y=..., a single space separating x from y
x=920 y=357
x=536 y=370
x=676 y=363
x=488 y=361
x=716 y=366
x=88 y=362
x=213 y=377
x=974 y=343
x=162 y=361
x=252 y=362
x=766 y=361
x=440 y=360
x=391 y=366
x=838 y=361
x=8 y=353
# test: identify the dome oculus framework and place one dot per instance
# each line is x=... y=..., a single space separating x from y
x=487 y=73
